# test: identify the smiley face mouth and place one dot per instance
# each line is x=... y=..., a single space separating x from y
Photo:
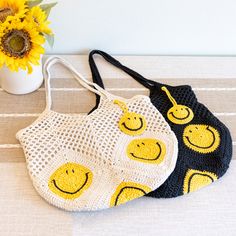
x=195 y=174
x=127 y=187
x=183 y=118
x=149 y=159
x=85 y=182
x=141 y=125
x=214 y=138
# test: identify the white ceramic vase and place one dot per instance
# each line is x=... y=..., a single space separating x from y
x=21 y=82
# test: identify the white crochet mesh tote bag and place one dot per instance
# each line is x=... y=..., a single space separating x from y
x=121 y=151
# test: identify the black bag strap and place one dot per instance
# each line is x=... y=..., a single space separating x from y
x=97 y=77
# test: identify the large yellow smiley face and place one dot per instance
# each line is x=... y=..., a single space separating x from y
x=178 y=114
x=70 y=180
x=201 y=138
x=131 y=123
x=196 y=179
x=128 y=191
x=147 y=150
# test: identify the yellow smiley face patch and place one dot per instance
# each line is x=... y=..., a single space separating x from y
x=178 y=114
x=131 y=123
x=201 y=138
x=70 y=180
x=128 y=191
x=196 y=179
x=147 y=150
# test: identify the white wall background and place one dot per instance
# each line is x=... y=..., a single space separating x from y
x=157 y=27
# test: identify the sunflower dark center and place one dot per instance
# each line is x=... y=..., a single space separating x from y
x=36 y=20
x=16 y=43
x=4 y=13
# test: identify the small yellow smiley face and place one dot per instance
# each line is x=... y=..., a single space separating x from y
x=70 y=180
x=196 y=179
x=131 y=123
x=201 y=138
x=178 y=114
x=128 y=191
x=147 y=150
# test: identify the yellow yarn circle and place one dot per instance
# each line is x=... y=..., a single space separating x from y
x=147 y=150
x=196 y=179
x=128 y=191
x=201 y=138
x=180 y=114
x=132 y=123
x=70 y=180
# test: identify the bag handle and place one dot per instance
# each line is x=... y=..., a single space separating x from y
x=97 y=77
x=85 y=83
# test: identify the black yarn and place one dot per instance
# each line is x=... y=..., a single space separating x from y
x=216 y=162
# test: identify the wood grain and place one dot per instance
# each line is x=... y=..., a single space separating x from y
x=164 y=67
x=83 y=101
x=121 y=82
x=9 y=155
x=212 y=89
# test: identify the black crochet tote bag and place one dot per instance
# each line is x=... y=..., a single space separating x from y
x=205 y=144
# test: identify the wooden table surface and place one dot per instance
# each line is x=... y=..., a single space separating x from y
x=210 y=211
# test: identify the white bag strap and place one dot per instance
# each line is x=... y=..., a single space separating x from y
x=85 y=83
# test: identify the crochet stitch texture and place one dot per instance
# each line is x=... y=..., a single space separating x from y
x=205 y=144
x=80 y=162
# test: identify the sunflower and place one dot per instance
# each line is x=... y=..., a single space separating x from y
x=40 y=19
x=12 y=8
x=20 y=45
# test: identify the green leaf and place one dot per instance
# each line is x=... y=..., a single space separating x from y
x=33 y=3
x=47 y=7
x=50 y=39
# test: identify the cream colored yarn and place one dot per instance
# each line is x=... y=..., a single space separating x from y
x=96 y=143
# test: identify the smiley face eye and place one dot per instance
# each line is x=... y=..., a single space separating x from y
x=176 y=110
x=128 y=118
x=138 y=145
x=196 y=127
x=135 y=117
x=181 y=109
x=73 y=171
x=190 y=131
x=66 y=171
x=143 y=143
